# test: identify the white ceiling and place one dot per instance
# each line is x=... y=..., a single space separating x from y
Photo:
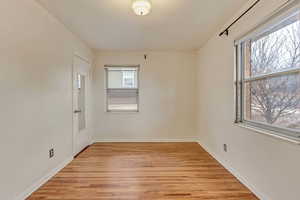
x=172 y=24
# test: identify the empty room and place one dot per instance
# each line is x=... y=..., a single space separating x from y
x=150 y=100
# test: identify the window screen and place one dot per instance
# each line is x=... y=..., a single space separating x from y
x=122 y=88
x=268 y=76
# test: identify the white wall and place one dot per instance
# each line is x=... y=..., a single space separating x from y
x=269 y=166
x=36 y=55
x=36 y=111
x=167 y=98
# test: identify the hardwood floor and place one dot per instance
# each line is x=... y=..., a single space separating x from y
x=143 y=171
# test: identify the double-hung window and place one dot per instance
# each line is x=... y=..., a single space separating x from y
x=122 y=88
x=268 y=75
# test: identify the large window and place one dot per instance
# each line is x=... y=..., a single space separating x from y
x=268 y=76
x=122 y=89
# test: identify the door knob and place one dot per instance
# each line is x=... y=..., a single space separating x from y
x=77 y=111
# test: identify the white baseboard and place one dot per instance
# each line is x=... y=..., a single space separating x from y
x=234 y=172
x=43 y=180
x=147 y=140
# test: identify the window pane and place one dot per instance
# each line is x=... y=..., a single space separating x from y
x=276 y=50
x=129 y=79
x=81 y=102
x=274 y=101
x=122 y=78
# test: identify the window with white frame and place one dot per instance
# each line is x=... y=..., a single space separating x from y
x=122 y=89
x=268 y=75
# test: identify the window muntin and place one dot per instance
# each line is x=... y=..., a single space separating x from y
x=122 y=89
x=268 y=78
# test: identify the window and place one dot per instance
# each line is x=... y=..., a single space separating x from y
x=122 y=89
x=268 y=76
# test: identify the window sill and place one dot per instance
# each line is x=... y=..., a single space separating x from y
x=122 y=112
x=267 y=132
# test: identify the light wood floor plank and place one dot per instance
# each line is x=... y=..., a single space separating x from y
x=143 y=171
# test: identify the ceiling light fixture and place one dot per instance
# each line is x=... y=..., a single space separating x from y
x=141 y=7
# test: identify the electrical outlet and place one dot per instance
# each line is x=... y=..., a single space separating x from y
x=225 y=147
x=51 y=153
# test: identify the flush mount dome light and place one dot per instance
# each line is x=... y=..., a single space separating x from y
x=141 y=7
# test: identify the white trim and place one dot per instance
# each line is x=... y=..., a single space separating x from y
x=43 y=180
x=267 y=132
x=277 y=15
x=82 y=57
x=147 y=140
x=135 y=66
x=273 y=74
x=236 y=173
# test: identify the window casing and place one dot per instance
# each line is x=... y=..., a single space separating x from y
x=268 y=75
x=122 y=88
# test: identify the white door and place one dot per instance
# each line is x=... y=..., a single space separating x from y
x=81 y=137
